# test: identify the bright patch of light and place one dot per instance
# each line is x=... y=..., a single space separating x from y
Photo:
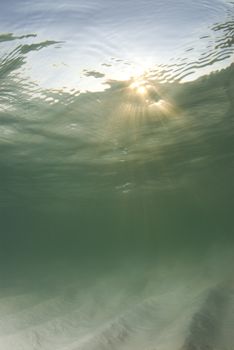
x=139 y=87
x=141 y=90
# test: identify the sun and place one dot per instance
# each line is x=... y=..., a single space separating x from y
x=141 y=90
x=138 y=86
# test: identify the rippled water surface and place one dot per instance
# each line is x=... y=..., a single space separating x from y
x=116 y=169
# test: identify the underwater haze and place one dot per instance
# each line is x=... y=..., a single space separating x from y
x=116 y=175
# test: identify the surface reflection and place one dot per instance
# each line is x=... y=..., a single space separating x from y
x=97 y=41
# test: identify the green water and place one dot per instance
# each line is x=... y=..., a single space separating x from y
x=116 y=169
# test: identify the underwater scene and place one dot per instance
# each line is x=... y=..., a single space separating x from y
x=117 y=175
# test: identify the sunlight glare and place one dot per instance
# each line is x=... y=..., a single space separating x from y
x=139 y=87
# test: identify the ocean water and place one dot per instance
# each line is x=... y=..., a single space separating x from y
x=116 y=175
